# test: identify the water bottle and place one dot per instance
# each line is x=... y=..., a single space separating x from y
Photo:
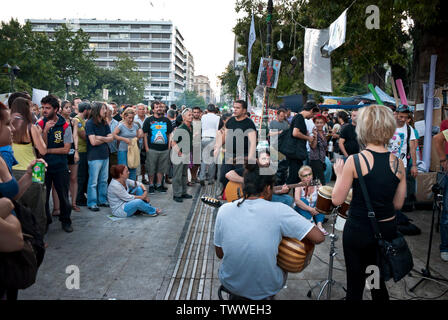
x=330 y=146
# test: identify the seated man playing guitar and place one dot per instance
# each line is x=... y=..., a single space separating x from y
x=247 y=236
x=234 y=188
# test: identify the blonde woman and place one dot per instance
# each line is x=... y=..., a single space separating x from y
x=305 y=199
x=385 y=178
x=127 y=130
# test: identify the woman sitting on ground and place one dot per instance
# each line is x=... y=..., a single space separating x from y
x=126 y=196
x=305 y=199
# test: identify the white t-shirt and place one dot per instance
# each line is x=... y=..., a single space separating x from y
x=309 y=127
x=210 y=124
x=398 y=144
x=249 y=236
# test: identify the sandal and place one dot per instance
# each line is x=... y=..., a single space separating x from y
x=324 y=231
x=75 y=207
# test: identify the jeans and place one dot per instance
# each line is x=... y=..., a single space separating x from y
x=318 y=170
x=206 y=166
x=138 y=204
x=97 y=185
x=318 y=217
x=83 y=176
x=283 y=198
x=122 y=158
x=444 y=219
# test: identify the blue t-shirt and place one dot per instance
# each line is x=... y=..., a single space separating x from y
x=125 y=132
x=100 y=152
x=249 y=236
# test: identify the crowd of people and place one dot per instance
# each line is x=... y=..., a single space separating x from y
x=105 y=157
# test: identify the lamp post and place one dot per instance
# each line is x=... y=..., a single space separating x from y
x=68 y=84
x=120 y=93
x=12 y=72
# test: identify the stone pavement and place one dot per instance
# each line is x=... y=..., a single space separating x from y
x=172 y=257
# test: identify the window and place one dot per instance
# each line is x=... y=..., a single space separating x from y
x=135 y=45
x=160 y=65
x=143 y=64
x=102 y=54
x=144 y=35
x=114 y=45
x=124 y=45
x=101 y=63
x=160 y=74
x=93 y=45
x=166 y=27
x=135 y=35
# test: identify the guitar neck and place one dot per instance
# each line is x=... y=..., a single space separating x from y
x=296 y=185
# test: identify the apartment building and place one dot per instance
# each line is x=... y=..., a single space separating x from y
x=156 y=46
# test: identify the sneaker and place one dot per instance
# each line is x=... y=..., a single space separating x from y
x=94 y=208
x=67 y=227
x=202 y=182
x=187 y=196
x=105 y=205
x=444 y=256
x=151 y=190
x=178 y=199
x=161 y=189
x=144 y=181
x=168 y=181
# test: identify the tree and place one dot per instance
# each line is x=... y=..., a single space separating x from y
x=191 y=99
x=365 y=52
x=229 y=80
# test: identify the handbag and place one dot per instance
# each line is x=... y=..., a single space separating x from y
x=133 y=154
x=394 y=257
x=18 y=270
x=290 y=146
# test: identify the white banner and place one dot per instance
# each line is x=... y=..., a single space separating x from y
x=317 y=69
x=252 y=37
x=337 y=33
x=241 y=85
x=38 y=95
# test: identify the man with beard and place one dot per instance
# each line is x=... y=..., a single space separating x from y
x=57 y=135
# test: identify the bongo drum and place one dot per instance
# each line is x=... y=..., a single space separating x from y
x=294 y=255
x=343 y=209
x=324 y=204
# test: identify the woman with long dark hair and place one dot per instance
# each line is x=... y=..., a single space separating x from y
x=28 y=145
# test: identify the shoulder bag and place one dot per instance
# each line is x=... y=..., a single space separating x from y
x=394 y=257
x=133 y=154
x=290 y=146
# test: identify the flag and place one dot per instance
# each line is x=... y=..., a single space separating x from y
x=317 y=69
x=241 y=85
x=252 y=37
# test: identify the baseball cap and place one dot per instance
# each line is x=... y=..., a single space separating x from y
x=403 y=108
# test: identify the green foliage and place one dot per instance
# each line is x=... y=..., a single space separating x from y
x=191 y=99
x=46 y=63
x=363 y=52
x=229 y=81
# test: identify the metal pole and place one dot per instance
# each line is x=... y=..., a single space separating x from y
x=264 y=115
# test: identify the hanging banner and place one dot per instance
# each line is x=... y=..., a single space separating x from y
x=256 y=117
x=252 y=37
x=317 y=69
x=38 y=95
x=241 y=86
x=336 y=34
x=268 y=73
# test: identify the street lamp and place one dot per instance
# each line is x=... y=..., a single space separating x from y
x=68 y=84
x=120 y=93
x=13 y=72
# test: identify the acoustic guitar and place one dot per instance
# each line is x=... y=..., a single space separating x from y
x=293 y=255
x=234 y=190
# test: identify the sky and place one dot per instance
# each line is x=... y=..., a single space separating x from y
x=206 y=25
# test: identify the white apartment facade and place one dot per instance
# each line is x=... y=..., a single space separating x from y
x=156 y=46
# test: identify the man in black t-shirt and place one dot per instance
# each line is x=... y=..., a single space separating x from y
x=240 y=140
x=300 y=132
x=348 y=141
x=157 y=130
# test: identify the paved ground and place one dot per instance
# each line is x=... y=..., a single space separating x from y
x=172 y=257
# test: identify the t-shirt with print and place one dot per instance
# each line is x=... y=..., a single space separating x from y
x=398 y=144
x=100 y=152
x=125 y=132
x=249 y=236
x=158 y=130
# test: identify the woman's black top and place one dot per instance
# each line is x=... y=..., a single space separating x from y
x=381 y=185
